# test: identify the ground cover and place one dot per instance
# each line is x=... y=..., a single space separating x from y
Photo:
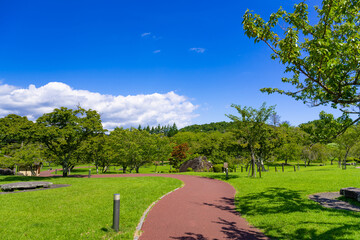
x=81 y=211
x=278 y=202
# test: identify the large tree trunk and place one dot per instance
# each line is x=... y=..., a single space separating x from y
x=65 y=170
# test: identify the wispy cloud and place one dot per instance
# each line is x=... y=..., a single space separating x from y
x=145 y=34
x=198 y=50
x=156 y=51
x=150 y=35
x=116 y=111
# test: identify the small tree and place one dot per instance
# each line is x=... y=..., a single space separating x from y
x=251 y=126
x=179 y=154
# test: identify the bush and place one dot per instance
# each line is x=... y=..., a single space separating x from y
x=173 y=171
x=189 y=169
x=218 y=168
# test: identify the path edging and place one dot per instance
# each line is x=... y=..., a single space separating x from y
x=137 y=233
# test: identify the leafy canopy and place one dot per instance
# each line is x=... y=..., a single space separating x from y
x=323 y=59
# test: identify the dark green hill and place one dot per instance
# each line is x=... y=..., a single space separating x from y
x=209 y=127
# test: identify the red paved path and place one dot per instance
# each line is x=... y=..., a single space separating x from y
x=202 y=210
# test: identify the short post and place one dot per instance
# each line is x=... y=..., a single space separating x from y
x=282 y=167
x=227 y=173
x=298 y=167
x=89 y=173
x=116 y=212
x=275 y=169
x=55 y=171
x=241 y=168
x=294 y=168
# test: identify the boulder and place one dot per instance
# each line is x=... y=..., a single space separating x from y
x=351 y=192
x=198 y=164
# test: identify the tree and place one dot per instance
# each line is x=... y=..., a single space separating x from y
x=347 y=141
x=326 y=128
x=96 y=149
x=179 y=154
x=251 y=125
x=63 y=130
x=323 y=58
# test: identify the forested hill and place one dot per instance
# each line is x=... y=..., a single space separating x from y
x=209 y=127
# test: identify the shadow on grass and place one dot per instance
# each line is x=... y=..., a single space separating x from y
x=12 y=178
x=222 y=176
x=286 y=201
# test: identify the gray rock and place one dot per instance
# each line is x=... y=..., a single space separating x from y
x=198 y=164
x=24 y=185
x=351 y=192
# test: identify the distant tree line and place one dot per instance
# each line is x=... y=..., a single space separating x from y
x=255 y=137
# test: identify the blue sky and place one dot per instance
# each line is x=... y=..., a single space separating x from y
x=192 y=57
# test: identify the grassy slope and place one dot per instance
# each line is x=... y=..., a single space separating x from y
x=278 y=202
x=81 y=211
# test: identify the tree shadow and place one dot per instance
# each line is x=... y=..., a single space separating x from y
x=286 y=201
x=233 y=232
x=222 y=176
x=192 y=236
x=225 y=204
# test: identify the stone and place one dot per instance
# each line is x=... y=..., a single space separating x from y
x=24 y=185
x=351 y=192
x=198 y=164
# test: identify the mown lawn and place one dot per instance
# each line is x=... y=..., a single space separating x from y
x=81 y=211
x=278 y=202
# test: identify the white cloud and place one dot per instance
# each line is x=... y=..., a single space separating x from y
x=156 y=51
x=145 y=34
x=116 y=111
x=198 y=50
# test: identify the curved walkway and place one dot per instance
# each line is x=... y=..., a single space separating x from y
x=201 y=210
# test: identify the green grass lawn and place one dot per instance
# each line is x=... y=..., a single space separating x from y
x=278 y=202
x=81 y=211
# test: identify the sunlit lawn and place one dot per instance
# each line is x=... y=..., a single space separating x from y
x=278 y=202
x=81 y=211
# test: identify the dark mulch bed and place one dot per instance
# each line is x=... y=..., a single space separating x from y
x=38 y=189
x=329 y=200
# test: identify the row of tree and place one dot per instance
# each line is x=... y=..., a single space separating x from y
x=69 y=137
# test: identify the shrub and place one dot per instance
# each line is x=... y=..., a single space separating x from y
x=218 y=168
x=189 y=169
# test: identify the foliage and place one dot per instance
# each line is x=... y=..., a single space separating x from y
x=218 y=168
x=251 y=128
x=168 y=130
x=323 y=58
x=179 y=154
x=326 y=128
x=63 y=130
x=209 y=127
